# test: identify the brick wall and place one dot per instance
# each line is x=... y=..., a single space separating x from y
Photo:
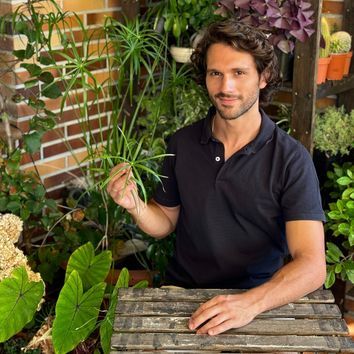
x=55 y=163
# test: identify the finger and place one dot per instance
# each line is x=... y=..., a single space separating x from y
x=222 y=327
x=210 y=303
x=215 y=321
x=117 y=172
x=204 y=316
x=119 y=178
x=120 y=191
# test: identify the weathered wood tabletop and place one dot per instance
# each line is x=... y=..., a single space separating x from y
x=155 y=320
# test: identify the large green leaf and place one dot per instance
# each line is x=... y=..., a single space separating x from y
x=32 y=141
x=106 y=327
x=92 y=269
x=76 y=313
x=19 y=299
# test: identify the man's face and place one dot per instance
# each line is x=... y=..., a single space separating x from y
x=232 y=81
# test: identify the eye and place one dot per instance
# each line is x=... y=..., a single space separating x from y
x=214 y=73
x=239 y=72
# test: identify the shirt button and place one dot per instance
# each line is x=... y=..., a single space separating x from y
x=217 y=159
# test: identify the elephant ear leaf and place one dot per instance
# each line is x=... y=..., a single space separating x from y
x=106 y=327
x=92 y=269
x=19 y=300
x=76 y=313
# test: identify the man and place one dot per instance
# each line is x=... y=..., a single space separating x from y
x=240 y=192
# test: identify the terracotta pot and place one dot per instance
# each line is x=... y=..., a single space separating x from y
x=348 y=60
x=322 y=68
x=336 y=66
x=135 y=276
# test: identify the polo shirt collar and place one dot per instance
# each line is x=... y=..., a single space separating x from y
x=264 y=136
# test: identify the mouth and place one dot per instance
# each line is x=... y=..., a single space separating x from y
x=226 y=101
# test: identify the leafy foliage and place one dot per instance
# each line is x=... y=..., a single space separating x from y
x=19 y=300
x=285 y=20
x=341 y=224
x=76 y=313
x=334 y=131
x=92 y=269
x=183 y=18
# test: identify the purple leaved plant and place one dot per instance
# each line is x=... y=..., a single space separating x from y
x=284 y=20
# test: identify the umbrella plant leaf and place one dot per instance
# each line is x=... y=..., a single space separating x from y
x=19 y=300
x=92 y=269
x=76 y=313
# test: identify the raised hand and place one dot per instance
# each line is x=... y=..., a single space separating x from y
x=122 y=187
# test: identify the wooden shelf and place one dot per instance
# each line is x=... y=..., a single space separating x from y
x=335 y=87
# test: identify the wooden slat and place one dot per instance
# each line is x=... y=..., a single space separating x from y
x=264 y=326
x=201 y=295
x=147 y=308
x=168 y=341
x=167 y=351
x=346 y=344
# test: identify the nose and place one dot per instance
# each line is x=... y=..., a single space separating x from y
x=227 y=84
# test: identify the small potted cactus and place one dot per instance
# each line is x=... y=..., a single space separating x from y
x=340 y=44
x=324 y=58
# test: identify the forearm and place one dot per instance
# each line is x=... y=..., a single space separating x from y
x=296 y=279
x=151 y=219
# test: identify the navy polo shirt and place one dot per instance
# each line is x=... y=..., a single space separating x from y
x=231 y=227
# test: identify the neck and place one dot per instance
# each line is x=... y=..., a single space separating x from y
x=236 y=133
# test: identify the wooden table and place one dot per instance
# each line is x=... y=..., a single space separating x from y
x=155 y=320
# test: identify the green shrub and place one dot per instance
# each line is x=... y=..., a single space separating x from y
x=334 y=131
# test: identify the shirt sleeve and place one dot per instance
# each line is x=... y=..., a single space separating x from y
x=301 y=198
x=167 y=193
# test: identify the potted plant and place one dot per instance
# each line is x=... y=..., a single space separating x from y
x=334 y=131
x=340 y=44
x=284 y=20
x=324 y=58
x=182 y=19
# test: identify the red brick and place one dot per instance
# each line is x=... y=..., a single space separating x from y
x=78 y=5
x=53 y=134
x=61 y=178
x=94 y=124
x=114 y=3
x=100 y=18
x=27 y=158
x=60 y=148
x=6 y=43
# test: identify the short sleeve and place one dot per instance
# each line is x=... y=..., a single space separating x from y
x=167 y=193
x=301 y=198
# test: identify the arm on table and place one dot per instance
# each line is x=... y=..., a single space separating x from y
x=305 y=273
x=155 y=219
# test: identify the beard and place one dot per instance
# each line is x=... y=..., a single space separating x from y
x=240 y=107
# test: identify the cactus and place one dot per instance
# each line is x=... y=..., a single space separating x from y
x=340 y=42
x=326 y=36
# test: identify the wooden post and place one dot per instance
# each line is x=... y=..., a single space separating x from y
x=304 y=83
x=346 y=98
x=130 y=8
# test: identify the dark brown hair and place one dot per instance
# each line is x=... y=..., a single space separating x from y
x=244 y=38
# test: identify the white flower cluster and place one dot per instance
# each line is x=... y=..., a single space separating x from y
x=10 y=256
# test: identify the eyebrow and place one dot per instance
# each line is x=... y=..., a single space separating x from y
x=245 y=68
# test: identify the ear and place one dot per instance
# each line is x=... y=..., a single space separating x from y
x=263 y=80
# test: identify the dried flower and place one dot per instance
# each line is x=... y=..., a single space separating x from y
x=10 y=256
